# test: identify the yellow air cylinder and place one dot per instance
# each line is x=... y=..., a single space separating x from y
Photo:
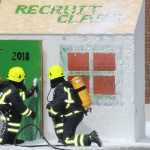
x=78 y=83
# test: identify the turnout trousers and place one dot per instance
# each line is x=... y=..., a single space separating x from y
x=13 y=121
x=66 y=131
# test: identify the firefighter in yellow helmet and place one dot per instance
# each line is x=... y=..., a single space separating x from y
x=66 y=113
x=12 y=94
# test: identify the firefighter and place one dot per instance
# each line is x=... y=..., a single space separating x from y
x=65 y=113
x=12 y=94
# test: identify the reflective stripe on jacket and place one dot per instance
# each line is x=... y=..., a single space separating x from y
x=10 y=95
x=62 y=103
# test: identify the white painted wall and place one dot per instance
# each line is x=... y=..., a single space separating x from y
x=139 y=75
x=117 y=121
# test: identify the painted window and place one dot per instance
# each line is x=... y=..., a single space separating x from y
x=103 y=85
x=104 y=62
x=97 y=66
x=78 y=62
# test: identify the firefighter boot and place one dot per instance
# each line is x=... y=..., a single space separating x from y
x=16 y=142
x=93 y=137
x=19 y=141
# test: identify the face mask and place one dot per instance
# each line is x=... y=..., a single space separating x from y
x=22 y=85
x=56 y=81
x=52 y=84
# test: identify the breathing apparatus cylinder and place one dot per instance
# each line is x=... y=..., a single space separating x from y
x=79 y=86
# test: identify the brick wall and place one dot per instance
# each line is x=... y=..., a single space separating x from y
x=147 y=51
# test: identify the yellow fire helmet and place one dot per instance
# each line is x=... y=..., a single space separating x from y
x=16 y=74
x=55 y=71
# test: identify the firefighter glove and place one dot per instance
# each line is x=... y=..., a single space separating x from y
x=48 y=105
x=33 y=115
x=23 y=87
x=33 y=88
x=50 y=115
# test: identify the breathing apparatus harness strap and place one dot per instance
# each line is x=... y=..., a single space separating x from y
x=71 y=113
x=80 y=89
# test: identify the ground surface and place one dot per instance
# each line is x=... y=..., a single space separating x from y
x=143 y=144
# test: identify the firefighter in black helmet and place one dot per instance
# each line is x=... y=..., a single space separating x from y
x=12 y=105
x=66 y=114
